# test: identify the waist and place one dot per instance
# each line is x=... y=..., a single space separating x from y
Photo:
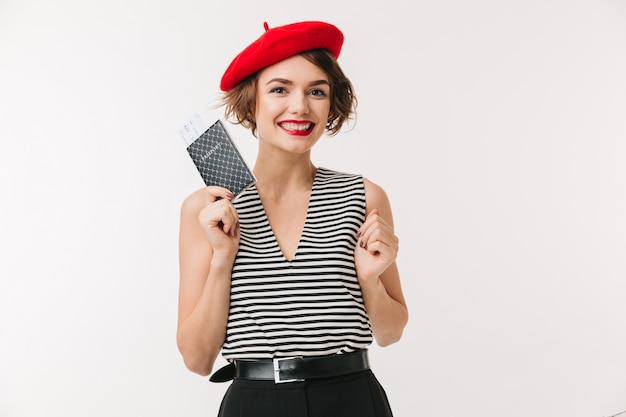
x=293 y=369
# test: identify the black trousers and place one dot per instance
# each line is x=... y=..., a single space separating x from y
x=355 y=395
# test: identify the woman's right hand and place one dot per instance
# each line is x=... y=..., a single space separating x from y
x=220 y=221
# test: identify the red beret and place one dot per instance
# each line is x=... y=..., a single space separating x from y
x=280 y=43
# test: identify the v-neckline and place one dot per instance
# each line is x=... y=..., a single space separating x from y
x=304 y=225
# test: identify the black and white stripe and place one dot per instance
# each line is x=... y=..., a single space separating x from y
x=311 y=305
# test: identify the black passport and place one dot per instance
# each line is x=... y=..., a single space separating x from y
x=218 y=160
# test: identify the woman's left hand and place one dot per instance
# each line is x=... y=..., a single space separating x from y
x=377 y=247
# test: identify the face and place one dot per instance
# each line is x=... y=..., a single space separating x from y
x=293 y=103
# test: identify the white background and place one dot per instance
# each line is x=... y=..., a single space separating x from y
x=497 y=128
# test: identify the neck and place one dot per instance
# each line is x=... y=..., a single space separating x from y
x=284 y=178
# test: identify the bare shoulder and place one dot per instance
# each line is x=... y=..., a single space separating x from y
x=373 y=188
x=194 y=202
x=375 y=196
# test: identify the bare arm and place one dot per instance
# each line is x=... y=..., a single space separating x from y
x=208 y=243
x=378 y=274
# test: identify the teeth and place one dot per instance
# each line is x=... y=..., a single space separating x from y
x=296 y=126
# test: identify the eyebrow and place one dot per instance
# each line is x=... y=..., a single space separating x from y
x=288 y=82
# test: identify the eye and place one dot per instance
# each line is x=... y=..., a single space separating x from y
x=318 y=92
x=278 y=90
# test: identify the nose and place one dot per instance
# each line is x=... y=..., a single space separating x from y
x=298 y=103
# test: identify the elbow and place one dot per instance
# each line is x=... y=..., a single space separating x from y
x=388 y=339
x=197 y=360
x=200 y=367
x=391 y=334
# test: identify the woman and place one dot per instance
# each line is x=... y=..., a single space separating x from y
x=292 y=280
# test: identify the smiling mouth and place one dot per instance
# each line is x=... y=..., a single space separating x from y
x=297 y=127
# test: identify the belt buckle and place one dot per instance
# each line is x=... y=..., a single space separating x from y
x=277 y=379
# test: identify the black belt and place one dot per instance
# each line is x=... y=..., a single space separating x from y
x=293 y=369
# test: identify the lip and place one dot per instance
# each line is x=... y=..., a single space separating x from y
x=297 y=127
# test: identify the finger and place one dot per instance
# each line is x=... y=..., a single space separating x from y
x=215 y=193
x=373 y=225
x=229 y=221
x=376 y=246
x=369 y=219
x=369 y=236
x=382 y=249
x=372 y=218
x=220 y=214
x=231 y=226
x=382 y=234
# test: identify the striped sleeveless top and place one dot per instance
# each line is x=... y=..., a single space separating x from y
x=311 y=305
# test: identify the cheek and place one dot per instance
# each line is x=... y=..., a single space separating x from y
x=267 y=108
x=323 y=110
